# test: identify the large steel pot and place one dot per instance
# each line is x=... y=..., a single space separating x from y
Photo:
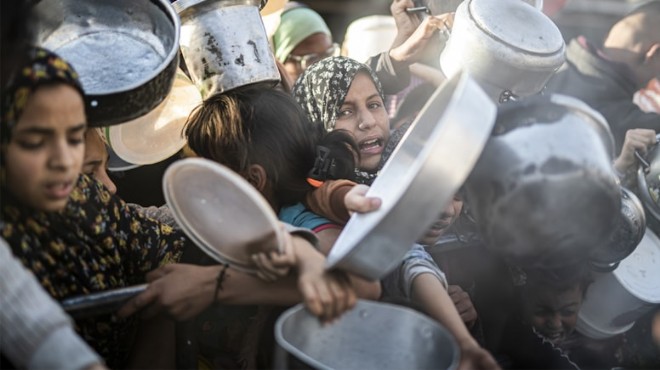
x=648 y=180
x=372 y=335
x=425 y=171
x=510 y=48
x=543 y=192
x=224 y=44
x=125 y=51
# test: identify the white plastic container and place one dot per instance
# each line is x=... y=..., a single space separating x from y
x=616 y=300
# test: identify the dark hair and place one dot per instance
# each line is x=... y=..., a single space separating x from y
x=559 y=279
x=260 y=125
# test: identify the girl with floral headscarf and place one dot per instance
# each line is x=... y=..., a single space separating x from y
x=65 y=227
x=345 y=94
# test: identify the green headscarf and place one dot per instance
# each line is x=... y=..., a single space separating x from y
x=296 y=24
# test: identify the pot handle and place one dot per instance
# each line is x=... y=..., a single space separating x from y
x=642 y=161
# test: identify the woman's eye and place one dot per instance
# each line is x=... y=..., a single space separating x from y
x=30 y=144
x=345 y=113
x=76 y=140
x=374 y=105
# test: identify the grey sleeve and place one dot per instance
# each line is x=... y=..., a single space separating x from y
x=304 y=233
x=398 y=284
x=34 y=330
x=393 y=78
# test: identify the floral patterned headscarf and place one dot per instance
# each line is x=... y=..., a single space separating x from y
x=322 y=88
x=42 y=67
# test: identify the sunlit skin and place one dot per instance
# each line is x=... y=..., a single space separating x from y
x=317 y=43
x=96 y=160
x=442 y=224
x=45 y=154
x=553 y=314
x=363 y=114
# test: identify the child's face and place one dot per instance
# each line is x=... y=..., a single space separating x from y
x=442 y=224
x=96 y=160
x=45 y=154
x=553 y=314
x=363 y=114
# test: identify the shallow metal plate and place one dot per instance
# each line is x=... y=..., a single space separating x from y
x=100 y=303
x=221 y=212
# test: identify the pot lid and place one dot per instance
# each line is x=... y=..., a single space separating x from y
x=157 y=135
x=221 y=212
x=639 y=273
x=517 y=25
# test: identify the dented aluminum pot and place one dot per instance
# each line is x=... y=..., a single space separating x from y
x=510 y=48
x=544 y=193
x=224 y=44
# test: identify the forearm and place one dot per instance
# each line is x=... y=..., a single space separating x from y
x=241 y=288
x=429 y=293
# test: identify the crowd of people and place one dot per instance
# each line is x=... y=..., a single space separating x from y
x=311 y=146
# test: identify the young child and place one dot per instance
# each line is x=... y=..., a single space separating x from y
x=66 y=228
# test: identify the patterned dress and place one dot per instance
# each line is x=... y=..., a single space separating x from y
x=97 y=243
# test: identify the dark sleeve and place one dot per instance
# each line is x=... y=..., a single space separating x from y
x=393 y=77
x=623 y=116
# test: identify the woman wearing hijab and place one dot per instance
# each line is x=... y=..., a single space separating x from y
x=65 y=227
x=301 y=39
x=345 y=94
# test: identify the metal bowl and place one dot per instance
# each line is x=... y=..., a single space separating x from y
x=125 y=52
x=370 y=336
x=648 y=180
x=425 y=171
x=629 y=231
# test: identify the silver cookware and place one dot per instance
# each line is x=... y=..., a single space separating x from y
x=428 y=167
x=544 y=193
x=100 y=303
x=648 y=180
x=628 y=232
x=224 y=44
x=125 y=51
x=510 y=48
x=372 y=335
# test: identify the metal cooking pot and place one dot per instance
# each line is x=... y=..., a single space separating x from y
x=544 y=193
x=125 y=52
x=224 y=44
x=648 y=180
x=510 y=48
x=420 y=178
x=628 y=232
x=372 y=335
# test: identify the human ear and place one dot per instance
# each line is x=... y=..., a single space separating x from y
x=257 y=177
